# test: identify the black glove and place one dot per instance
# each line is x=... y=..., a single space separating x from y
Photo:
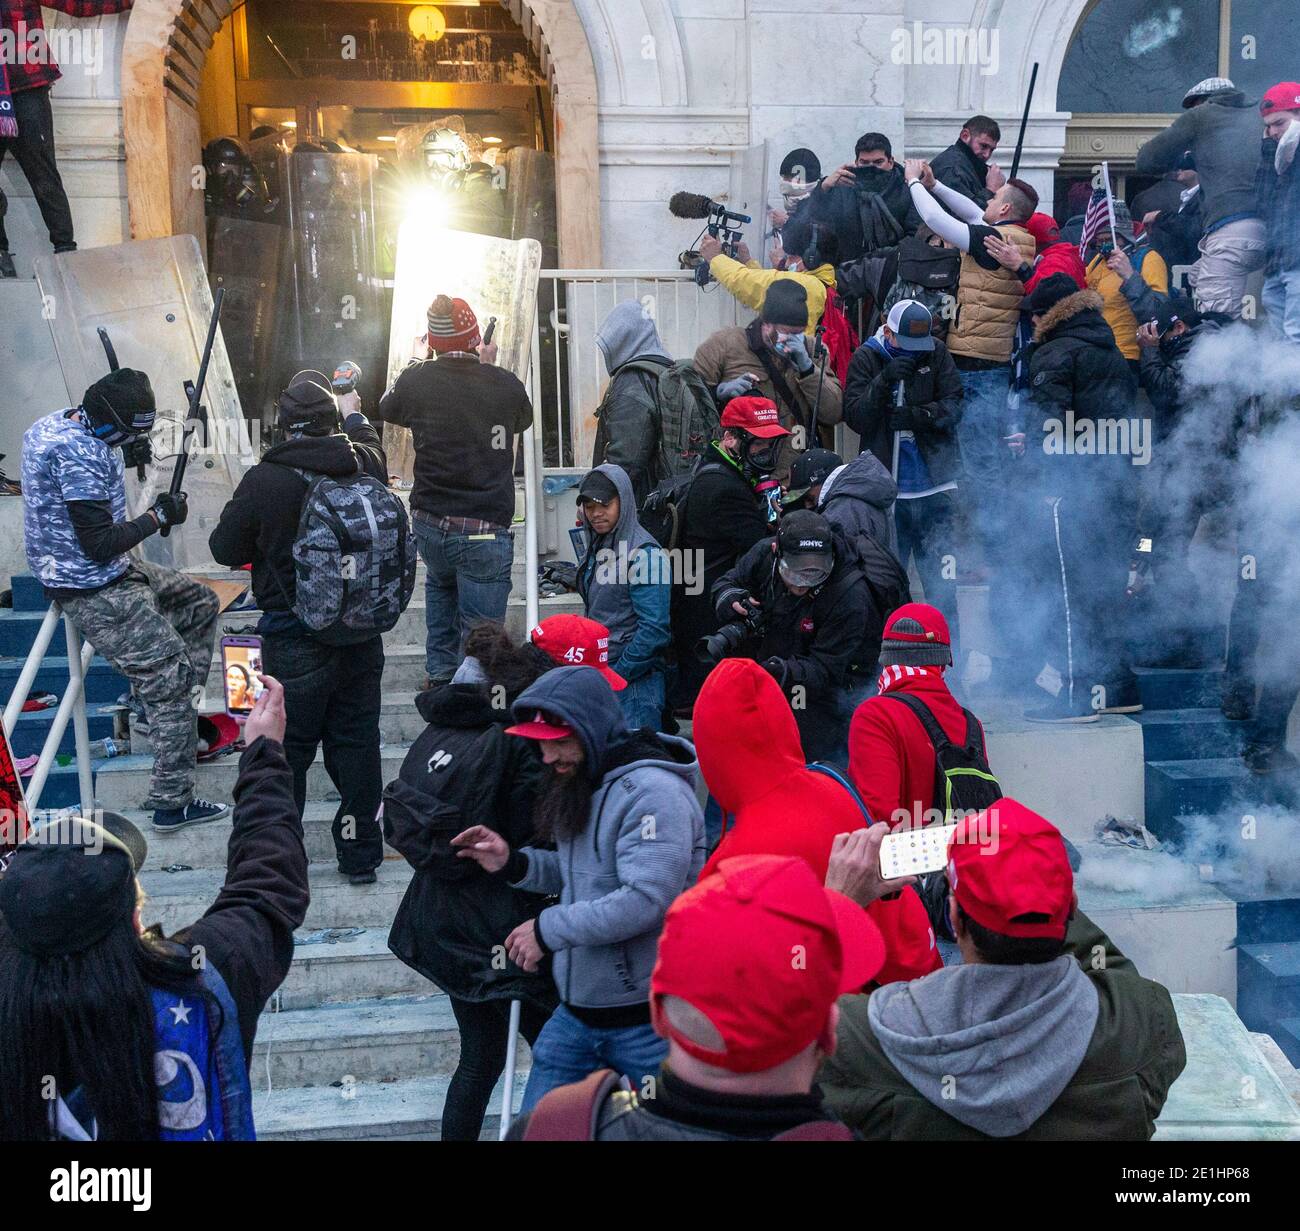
x=909 y=419
x=171 y=510
x=900 y=368
x=776 y=668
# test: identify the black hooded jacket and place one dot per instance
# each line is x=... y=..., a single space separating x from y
x=1075 y=366
x=463 y=770
x=818 y=637
x=260 y=524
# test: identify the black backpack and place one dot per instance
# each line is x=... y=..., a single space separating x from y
x=962 y=780
x=664 y=510
x=886 y=577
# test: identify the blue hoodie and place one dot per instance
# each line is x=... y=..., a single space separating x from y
x=643 y=845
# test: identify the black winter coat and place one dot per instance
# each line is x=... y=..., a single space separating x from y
x=820 y=636
x=933 y=394
x=958 y=168
x=627 y=424
x=855 y=216
x=260 y=523
x=463 y=770
x=724 y=519
x=1075 y=369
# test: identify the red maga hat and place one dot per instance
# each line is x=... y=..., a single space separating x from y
x=762 y=949
x=576 y=641
x=757 y=416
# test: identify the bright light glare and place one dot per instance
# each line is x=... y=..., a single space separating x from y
x=492 y=140
x=427 y=22
x=427 y=207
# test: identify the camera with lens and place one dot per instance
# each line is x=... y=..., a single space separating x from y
x=730 y=637
x=722 y=223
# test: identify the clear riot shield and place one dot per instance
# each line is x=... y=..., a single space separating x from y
x=754 y=178
x=152 y=297
x=332 y=307
x=496 y=277
x=530 y=197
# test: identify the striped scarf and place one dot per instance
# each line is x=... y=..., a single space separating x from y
x=8 y=120
x=897 y=675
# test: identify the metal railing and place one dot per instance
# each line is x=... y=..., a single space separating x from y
x=71 y=707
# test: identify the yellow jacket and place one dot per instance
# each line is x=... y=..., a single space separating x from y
x=1115 y=305
x=749 y=284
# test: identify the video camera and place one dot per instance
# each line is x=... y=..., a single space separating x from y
x=722 y=223
x=730 y=637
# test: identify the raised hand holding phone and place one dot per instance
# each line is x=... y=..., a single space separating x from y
x=268 y=717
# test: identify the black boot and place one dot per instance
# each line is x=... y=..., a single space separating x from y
x=7 y=269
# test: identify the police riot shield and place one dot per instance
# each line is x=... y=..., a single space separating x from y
x=332 y=307
x=152 y=298
x=530 y=196
x=496 y=277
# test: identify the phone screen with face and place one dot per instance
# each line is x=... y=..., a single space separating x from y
x=241 y=666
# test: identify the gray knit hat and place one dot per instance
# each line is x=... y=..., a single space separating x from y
x=1207 y=88
x=916 y=635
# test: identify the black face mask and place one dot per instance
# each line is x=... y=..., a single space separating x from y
x=760 y=456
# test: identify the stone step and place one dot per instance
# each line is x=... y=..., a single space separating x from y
x=1189 y=734
x=122 y=784
x=177 y=899
x=1268 y=983
x=409 y=1110
x=103 y=684
x=32 y=729
x=351 y=968
x=1266 y=920
x=1206 y=786
x=205 y=846
x=1286 y=1034
x=1175 y=688
x=369 y=1041
x=1028 y=759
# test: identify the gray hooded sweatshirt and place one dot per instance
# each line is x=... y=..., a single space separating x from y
x=643 y=845
x=857 y=498
x=991 y=1046
x=628 y=333
x=625 y=579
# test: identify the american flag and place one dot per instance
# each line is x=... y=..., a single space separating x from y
x=1098 y=216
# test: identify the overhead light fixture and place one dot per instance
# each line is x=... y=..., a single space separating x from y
x=427 y=22
x=492 y=141
x=288 y=123
x=392 y=139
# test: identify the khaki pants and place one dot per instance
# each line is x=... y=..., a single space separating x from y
x=1228 y=257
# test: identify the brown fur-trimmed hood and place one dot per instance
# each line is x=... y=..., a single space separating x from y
x=1066 y=309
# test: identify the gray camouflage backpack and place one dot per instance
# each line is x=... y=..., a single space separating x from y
x=353 y=558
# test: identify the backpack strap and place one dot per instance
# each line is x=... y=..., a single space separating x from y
x=818 y=1130
x=570 y=1113
x=974 y=745
x=829 y=771
x=939 y=740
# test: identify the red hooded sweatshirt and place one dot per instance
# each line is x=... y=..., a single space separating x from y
x=1060 y=258
x=752 y=760
x=891 y=759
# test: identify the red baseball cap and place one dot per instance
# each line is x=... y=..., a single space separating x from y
x=757 y=416
x=575 y=641
x=1044 y=229
x=1282 y=97
x=541 y=728
x=762 y=949
x=1007 y=863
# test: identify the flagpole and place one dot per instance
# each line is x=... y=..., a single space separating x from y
x=1110 y=208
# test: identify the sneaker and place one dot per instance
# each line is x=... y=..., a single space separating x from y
x=1060 y=711
x=199 y=812
x=1266 y=759
x=368 y=877
x=1123 y=698
x=7 y=269
x=1238 y=703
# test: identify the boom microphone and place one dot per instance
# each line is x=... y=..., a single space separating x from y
x=690 y=205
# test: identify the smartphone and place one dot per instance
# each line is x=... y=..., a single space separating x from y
x=915 y=852
x=241 y=667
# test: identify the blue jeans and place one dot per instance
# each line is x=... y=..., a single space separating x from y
x=984 y=453
x=468 y=583
x=927 y=530
x=643 y=701
x=567 y=1051
x=1281 y=298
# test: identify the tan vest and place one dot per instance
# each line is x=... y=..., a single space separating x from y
x=988 y=303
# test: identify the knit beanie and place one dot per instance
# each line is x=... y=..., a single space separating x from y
x=916 y=635
x=452 y=326
x=1050 y=291
x=124 y=395
x=786 y=303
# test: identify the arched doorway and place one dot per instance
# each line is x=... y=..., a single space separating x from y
x=167 y=44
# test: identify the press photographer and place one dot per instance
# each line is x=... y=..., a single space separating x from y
x=800 y=605
x=153 y=624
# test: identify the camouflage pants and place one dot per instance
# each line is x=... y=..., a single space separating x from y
x=156 y=627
